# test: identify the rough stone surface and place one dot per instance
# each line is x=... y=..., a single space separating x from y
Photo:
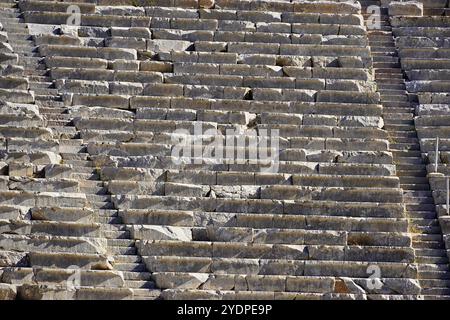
x=140 y=167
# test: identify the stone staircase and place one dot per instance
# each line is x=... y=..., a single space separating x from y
x=398 y=114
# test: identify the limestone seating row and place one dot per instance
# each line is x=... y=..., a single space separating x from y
x=224 y=93
x=251 y=266
x=59 y=244
x=415 y=67
x=286 y=284
x=98 y=55
x=356 y=226
x=226 y=31
x=283 y=6
x=19 y=144
x=223 y=108
x=283 y=166
x=265 y=257
x=303 y=71
x=418 y=22
x=154 y=71
x=330 y=170
x=429 y=53
x=259 y=206
x=102 y=26
x=253 y=15
x=17 y=96
x=237 y=179
x=429 y=32
x=313 y=238
x=205 y=41
x=309 y=145
x=201 y=41
x=52 y=276
x=157 y=84
x=52 y=292
x=312 y=129
x=214 y=118
x=419 y=42
x=180 y=216
x=225 y=295
x=38 y=199
x=207 y=47
x=325 y=170
x=219 y=85
x=243 y=191
x=58 y=228
x=146 y=153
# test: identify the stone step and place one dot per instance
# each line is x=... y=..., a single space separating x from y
x=385 y=65
x=127 y=259
x=408 y=160
x=403 y=134
x=110 y=220
x=397 y=104
x=398 y=121
x=86 y=176
x=404 y=146
x=127 y=243
x=140 y=284
x=419 y=194
x=407 y=154
x=400 y=113
x=413 y=186
x=414 y=140
x=80 y=163
x=114 y=227
x=422 y=181
x=141 y=276
x=94 y=190
x=418 y=200
x=382 y=49
x=420 y=207
x=410 y=167
x=385 y=59
x=422 y=214
x=122 y=250
x=107 y=213
x=131 y=267
x=125 y=234
x=146 y=294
